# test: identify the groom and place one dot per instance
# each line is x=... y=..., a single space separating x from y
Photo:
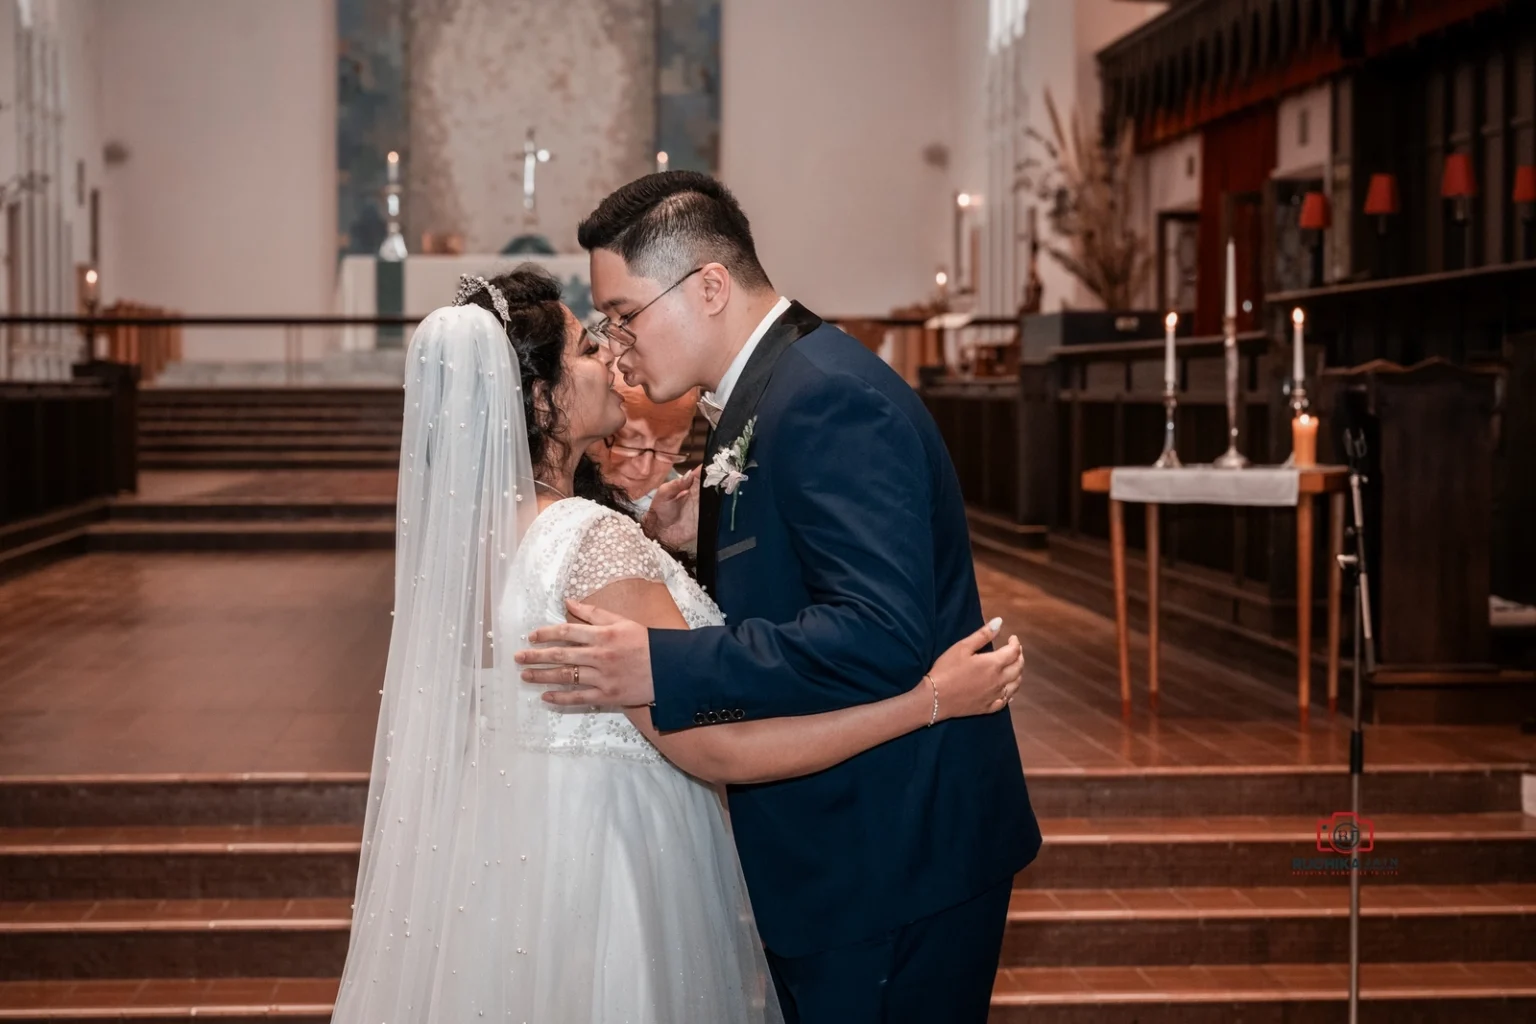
x=832 y=534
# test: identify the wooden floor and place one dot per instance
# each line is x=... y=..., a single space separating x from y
x=271 y=662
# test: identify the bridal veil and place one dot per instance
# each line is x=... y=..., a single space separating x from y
x=427 y=941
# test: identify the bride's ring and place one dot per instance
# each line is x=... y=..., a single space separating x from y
x=575 y=675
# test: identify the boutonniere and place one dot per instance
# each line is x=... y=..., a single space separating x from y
x=728 y=469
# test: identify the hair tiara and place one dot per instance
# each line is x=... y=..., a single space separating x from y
x=469 y=284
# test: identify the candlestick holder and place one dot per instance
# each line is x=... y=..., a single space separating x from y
x=1170 y=457
x=1299 y=405
x=1231 y=458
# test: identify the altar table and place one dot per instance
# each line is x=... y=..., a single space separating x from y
x=1271 y=486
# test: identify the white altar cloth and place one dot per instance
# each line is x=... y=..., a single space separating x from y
x=1206 y=485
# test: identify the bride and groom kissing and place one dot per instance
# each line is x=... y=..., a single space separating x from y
x=544 y=839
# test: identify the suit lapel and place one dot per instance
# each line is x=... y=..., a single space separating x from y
x=794 y=324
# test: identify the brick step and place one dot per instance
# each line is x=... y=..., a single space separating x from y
x=269 y=460
x=391 y=407
x=184 y=510
x=191 y=862
x=178 y=800
x=174 y=939
x=329 y=396
x=154 y=1001
x=154 y=431
x=1489 y=993
x=313 y=799
x=1198 y=925
x=1468 y=849
x=263 y=442
x=313 y=534
x=1183 y=792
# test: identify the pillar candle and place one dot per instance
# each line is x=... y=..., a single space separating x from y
x=1231 y=278
x=1299 y=367
x=394 y=167
x=1304 y=440
x=1170 y=369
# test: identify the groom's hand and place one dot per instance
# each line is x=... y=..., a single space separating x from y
x=673 y=518
x=609 y=659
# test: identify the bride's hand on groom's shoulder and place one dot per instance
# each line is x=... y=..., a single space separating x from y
x=673 y=519
x=973 y=682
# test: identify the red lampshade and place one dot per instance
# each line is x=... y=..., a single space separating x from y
x=1525 y=184
x=1381 y=197
x=1456 y=182
x=1314 y=212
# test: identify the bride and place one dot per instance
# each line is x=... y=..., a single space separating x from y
x=528 y=863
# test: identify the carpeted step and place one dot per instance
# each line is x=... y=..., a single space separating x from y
x=1259 y=851
x=174 y=939
x=1449 y=993
x=189 y=862
x=1310 y=924
x=160 y=1000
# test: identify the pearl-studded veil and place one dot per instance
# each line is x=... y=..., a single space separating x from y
x=426 y=942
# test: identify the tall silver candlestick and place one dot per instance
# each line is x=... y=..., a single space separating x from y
x=393 y=249
x=1169 y=459
x=1231 y=458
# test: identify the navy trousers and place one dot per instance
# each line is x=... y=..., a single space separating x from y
x=937 y=970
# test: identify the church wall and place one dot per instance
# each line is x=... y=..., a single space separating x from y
x=226 y=201
x=826 y=112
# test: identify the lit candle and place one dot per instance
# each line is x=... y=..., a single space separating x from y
x=1231 y=278
x=1304 y=440
x=1170 y=373
x=662 y=160
x=1299 y=367
x=394 y=167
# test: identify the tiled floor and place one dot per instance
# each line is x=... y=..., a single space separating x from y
x=193 y=663
x=210 y=663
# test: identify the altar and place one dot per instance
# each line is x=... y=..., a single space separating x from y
x=367 y=286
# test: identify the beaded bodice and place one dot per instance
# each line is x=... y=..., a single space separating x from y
x=574 y=549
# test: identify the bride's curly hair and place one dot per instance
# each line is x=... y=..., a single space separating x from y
x=536 y=328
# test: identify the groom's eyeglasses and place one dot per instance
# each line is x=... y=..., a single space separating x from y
x=671 y=458
x=616 y=333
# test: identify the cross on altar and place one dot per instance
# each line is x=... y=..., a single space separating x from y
x=532 y=157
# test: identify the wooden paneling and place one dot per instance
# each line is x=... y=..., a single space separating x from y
x=1238 y=155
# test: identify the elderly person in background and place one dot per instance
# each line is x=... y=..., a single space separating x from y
x=648 y=448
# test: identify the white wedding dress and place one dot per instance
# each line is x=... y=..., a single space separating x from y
x=645 y=916
x=523 y=863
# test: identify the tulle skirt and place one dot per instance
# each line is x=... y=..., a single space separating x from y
x=615 y=899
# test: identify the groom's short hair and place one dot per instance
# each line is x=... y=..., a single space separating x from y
x=664 y=225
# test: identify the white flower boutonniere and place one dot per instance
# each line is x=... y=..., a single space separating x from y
x=728 y=469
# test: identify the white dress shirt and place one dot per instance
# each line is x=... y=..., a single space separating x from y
x=713 y=402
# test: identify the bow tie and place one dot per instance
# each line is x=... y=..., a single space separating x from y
x=711 y=409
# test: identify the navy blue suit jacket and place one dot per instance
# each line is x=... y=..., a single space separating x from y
x=846 y=573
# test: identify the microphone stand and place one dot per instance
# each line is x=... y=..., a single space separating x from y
x=1354 y=563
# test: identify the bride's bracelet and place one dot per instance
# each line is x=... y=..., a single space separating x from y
x=935 y=716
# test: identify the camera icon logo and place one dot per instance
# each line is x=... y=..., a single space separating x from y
x=1345 y=833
